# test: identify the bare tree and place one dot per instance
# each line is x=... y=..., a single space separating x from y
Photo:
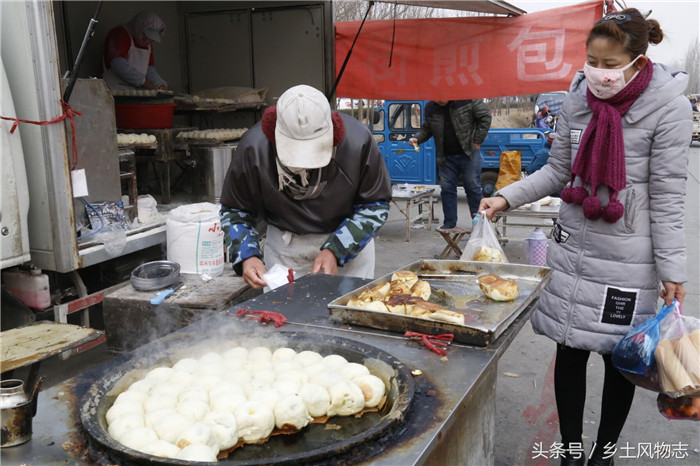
x=692 y=67
x=354 y=10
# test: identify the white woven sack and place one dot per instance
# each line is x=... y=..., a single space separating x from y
x=195 y=238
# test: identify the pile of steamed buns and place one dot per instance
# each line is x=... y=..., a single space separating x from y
x=220 y=134
x=199 y=407
x=125 y=139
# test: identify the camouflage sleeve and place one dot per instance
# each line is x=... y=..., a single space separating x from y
x=240 y=236
x=356 y=231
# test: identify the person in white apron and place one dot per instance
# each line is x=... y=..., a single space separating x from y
x=322 y=186
x=127 y=60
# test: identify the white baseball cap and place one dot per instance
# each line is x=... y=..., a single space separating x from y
x=304 y=129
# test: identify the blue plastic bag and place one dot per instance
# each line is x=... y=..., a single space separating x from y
x=635 y=352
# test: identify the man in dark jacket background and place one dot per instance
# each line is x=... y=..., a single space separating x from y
x=459 y=127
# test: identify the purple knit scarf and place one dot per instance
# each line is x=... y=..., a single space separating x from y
x=601 y=155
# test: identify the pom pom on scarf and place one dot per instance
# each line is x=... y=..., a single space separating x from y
x=613 y=211
x=592 y=209
x=578 y=195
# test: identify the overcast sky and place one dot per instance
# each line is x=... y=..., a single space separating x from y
x=679 y=20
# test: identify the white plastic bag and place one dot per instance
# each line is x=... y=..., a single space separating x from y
x=677 y=354
x=113 y=237
x=483 y=244
x=147 y=208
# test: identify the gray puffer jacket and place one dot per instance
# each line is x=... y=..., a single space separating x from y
x=606 y=276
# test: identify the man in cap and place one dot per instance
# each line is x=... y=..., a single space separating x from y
x=127 y=56
x=319 y=181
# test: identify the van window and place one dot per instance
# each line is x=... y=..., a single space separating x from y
x=404 y=116
x=379 y=126
x=379 y=137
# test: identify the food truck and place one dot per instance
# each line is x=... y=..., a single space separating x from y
x=53 y=170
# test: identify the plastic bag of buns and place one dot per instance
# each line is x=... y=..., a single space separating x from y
x=483 y=243
x=677 y=354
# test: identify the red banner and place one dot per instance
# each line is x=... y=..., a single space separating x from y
x=464 y=58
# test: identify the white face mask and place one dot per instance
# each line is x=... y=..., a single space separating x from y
x=606 y=83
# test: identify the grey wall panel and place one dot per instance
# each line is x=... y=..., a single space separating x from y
x=286 y=56
x=96 y=136
x=218 y=50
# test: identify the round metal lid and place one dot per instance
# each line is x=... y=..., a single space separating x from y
x=155 y=275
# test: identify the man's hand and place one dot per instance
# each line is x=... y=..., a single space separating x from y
x=253 y=270
x=477 y=146
x=413 y=141
x=326 y=262
x=672 y=291
x=492 y=205
x=150 y=85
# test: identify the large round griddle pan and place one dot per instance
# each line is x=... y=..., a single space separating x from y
x=315 y=442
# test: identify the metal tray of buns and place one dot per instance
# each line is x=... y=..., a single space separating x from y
x=454 y=285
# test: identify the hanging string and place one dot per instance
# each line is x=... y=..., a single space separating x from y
x=68 y=112
x=393 y=37
x=347 y=57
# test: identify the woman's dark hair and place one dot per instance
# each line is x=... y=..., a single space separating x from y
x=635 y=34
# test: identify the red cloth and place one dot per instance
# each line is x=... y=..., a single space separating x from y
x=117 y=44
x=466 y=57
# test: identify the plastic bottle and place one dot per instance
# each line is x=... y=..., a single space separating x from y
x=31 y=287
x=536 y=247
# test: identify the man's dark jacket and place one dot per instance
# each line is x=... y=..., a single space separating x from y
x=471 y=120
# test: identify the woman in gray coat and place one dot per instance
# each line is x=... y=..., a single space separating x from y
x=621 y=155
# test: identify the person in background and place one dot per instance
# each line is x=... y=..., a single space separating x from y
x=459 y=127
x=541 y=156
x=127 y=55
x=619 y=242
x=319 y=181
x=694 y=104
x=543 y=118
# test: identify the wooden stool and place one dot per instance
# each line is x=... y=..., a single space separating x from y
x=452 y=236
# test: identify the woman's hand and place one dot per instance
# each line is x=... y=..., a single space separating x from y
x=672 y=291
x=492 y=205
x=253 y=270
x=326 y=262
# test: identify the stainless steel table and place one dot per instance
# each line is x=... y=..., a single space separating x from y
x=411 y=196
x=529 y=218
x=450 y=421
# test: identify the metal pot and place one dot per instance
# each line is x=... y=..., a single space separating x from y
x=315 y=442
x=17 y=409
